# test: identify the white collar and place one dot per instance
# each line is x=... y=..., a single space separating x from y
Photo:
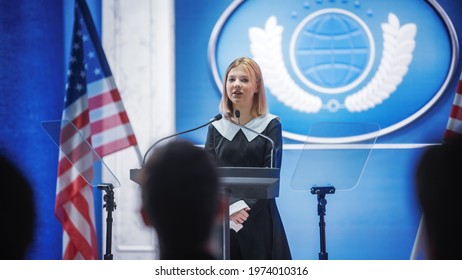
x=229 y=129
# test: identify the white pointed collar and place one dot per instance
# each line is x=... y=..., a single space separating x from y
x=229 y=129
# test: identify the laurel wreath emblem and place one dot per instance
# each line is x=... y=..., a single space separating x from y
x=398 y=48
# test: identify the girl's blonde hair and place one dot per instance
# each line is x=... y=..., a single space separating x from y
x=259 y=106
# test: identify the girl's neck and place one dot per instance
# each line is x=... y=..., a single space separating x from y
x=245 y=116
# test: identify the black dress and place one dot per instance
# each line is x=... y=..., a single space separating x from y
x=263 y=235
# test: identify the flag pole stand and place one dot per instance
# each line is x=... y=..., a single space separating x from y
x=110 y=207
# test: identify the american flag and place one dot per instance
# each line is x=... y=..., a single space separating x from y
x=454 y=125
x=93 y=106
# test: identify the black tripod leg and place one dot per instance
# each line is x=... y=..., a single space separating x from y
x=108 y=255
x=321 y=195
x=323 y=255
x=110 y=207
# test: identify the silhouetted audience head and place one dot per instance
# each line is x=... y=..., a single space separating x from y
x=180 y=198
x=17 y=211
x=439 y=192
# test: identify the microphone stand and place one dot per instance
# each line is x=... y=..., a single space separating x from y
x=216 y=118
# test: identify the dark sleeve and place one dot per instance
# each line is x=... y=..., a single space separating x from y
x=274 y=131
x=209 y=146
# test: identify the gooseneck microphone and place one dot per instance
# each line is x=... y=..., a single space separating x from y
x=237 y=113
x=216 y=118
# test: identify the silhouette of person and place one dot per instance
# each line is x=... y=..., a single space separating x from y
x=257 y=229
x=439 y=193
x=17 y=207
x=180 y=199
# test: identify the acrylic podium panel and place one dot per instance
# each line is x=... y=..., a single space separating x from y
x=334 y=154
x=77 y=150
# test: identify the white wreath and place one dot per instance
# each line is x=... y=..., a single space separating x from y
x=398 y=47
x=265 y=45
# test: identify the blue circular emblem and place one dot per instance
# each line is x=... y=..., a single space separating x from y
x=341 y=61
x=332 y=50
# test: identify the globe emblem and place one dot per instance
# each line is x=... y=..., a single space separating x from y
x=332 y=51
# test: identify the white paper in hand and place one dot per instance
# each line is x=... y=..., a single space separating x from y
x=233 y=208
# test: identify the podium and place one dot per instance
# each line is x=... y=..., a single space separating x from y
x=250 y=182
x=239 y=182
x=245 y=182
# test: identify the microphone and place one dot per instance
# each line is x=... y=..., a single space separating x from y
x=216 y=118
x=237 y=113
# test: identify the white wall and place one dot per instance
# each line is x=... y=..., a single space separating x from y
x=138 y=38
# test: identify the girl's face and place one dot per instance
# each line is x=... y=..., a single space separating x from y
x=241 y=87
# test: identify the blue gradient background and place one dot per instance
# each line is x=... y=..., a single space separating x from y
x=34 y=47
x=379 y=218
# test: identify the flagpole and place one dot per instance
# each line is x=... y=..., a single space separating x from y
x=93 y=34
x=138 y=153
x=418 y=240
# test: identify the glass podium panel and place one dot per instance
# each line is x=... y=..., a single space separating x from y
x=334 y=155
x=77 y=150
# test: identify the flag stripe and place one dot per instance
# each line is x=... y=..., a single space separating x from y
x=111 y=134
x=449 y=133
x=78 y=109
x=117 y=145
x=459 y=87
x=105 y=84
x=81 y=156
x=104 y=98
x=77 y=152
x=456 y=110
x=454 y=126
x=110 y=122
x=75 y=215
x=68 y=132
x=106 y=111
x=73 y=182
x=83 y=206
x=86 y=246
x=67 y=148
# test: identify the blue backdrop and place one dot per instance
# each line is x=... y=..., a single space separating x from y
x=379 y=218
x=34 y=50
